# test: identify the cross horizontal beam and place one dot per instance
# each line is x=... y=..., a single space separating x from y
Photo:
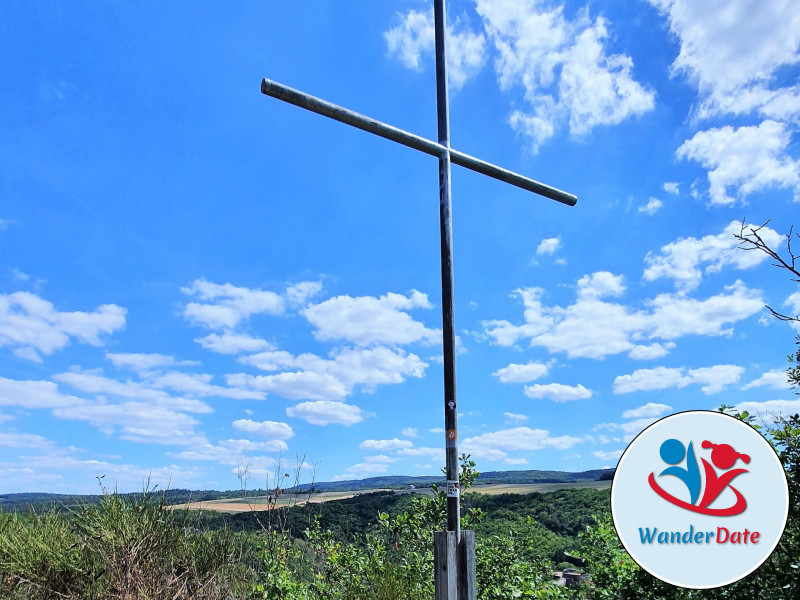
x=339 y=113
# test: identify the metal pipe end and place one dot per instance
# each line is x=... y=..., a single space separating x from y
x=265 y=85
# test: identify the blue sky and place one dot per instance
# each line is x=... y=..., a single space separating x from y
x=195 y=277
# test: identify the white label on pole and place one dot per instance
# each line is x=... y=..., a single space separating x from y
x=452 y=488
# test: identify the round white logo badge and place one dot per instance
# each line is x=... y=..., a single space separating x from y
x=699 y=499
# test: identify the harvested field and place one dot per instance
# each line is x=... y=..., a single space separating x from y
x=255 y=503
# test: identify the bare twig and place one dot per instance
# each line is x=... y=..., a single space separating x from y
x=750 y=239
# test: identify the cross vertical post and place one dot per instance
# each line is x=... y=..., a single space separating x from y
x=448 y=316
x=454 y=550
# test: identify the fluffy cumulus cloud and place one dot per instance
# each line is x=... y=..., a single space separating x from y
x=384 y=445
x=325 y=412
x=310 y=377
x=558 y=392
x=32 y=326
x=712 y=379
x=496 y=445
x=143 y=422
x=272 y=430
x=230 y=342
x=368 y=320
x=224 y=306
x=593 y=327
x=774 y=380
x=686 y=260
x=564 y=68
x=651 y=409
x=771 y=410
x=413 y=40
x=35 y=394
x=548 y=246
x=607 y=454
x=732 y=50
x=515 y=417
x=514 y=373
x=652 y=207
x=144 y=363
x=744 y=160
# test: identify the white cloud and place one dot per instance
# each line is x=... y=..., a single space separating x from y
x=198 y=384
x=774 y=380
x=652 y=207
x=515 y=417
x=367 y=320
x=493 y=446
x=650 y=352
x=793 y=302
x=230 y=452
x=564 y=68
x=135 y=421
x=683 y=260
x=645 y=380
x=414 y=38
x=233 y=343
x=748 y=159
x=593 y=328
x=380 y=458
x=630 y=429
x=600 y=285
x=300 y=385
x=383 y=445
x=558 y=392
x=325 y=412
x=272 y=430
x=514 y=373
x=316 y=378
x=608 y=455
x=770 y=410
x=16 y=273
x=143 y=363
x=676 y=316
x=516 y=461
x=231 y=304
x=34 y=394
x=299 y=293
x=651 y=409
x=24 y=440
x=31 y=326
x=3 y=224
x=548 y=246
x=95 y=383
x=711 y=379
x=434 y=453
x=732 y=49
x=409 y=432
x=364 y=469
x=671 y=187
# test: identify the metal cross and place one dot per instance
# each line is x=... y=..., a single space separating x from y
x=446 y=155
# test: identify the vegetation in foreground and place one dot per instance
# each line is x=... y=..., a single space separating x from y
x=136 y=548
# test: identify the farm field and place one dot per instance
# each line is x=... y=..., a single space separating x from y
x=255 y=503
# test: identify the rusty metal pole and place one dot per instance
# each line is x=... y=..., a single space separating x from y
x=448 y=322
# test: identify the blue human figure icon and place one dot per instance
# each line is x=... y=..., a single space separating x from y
x=672 y=452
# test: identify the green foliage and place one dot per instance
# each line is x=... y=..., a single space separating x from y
x=122 y=547
x=136 y=548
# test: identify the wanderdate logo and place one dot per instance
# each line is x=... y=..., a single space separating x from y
x=699 y=499
x=723 y=457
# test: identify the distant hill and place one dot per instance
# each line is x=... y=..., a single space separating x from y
x=489 y=477
x=41 y=501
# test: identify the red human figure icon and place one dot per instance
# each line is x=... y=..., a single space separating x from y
x=724 y=457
